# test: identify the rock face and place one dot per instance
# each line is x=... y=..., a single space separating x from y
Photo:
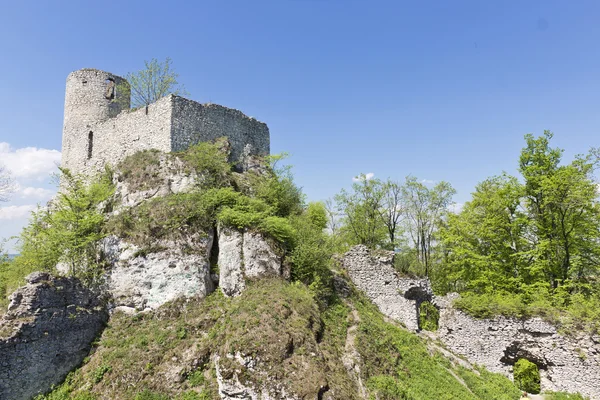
x=140 y=281
x=567 y=363
x=47 y=331
x=168 y=176
x=246 y=255
x=374 y=274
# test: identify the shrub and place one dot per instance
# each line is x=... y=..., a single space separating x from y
x=527 y=376
x=429 y=316
x=210 y=160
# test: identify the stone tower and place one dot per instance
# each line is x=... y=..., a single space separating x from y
x=100 y=129
x=91 y=96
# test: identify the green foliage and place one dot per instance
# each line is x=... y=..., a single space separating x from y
x=398 y=363
x=527 y=376
x=276 y=188
x=361 y=210
x=99 y=373
x=282 y=325
x=311 y=255
x=529 y=247
x=429 y=316
x=563 y=396
x=210 y=160
x=153 y=82
x=67 y=232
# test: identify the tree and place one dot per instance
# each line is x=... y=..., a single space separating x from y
x=486 y=241
x=425 y=209
x=392 y=210
x=69 y=230
x=562 y=202
x=535 y=236
x=154 y=82
x=362 y=212
x=6 y=184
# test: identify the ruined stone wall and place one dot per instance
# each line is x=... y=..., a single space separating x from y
x=567 y=363
x=129 y=132
x=398 y=298
x=47 y=331
x=194 y=122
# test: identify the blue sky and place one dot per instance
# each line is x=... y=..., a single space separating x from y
x=443 y=90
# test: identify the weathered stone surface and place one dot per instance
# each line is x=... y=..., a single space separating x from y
x=230 y=261
x=567 y=363
x=47 y=331
x=146 y=281
x=246 y=255
x=170 y=177
x=231 y=388
x=396 y=297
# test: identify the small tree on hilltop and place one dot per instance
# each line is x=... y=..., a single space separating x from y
x=155 y=81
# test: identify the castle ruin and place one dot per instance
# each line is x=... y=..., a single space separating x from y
x=100 y=128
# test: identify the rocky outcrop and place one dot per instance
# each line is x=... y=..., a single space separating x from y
x=139 y=281
x=246 y=255
x=397 y=297
x=47 y=331
x=566 y=363
x=166 y=175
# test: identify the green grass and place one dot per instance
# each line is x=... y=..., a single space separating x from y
x=297 y=343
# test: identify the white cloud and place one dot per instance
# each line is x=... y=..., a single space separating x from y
x=29 y=162
x=16 y=212
x=36 y=193
x=367 y=176
x=456 y=207
x=427 y=182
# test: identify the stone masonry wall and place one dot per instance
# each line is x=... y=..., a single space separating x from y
x=374 y=274
x=194 y=122
x=129 y=132
x=567 y=363
x=47 y=331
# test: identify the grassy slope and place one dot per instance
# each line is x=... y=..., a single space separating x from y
x=167 y=354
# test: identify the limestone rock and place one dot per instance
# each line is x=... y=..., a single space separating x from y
x=47 y=331
x=246 y=255
x=146 y=281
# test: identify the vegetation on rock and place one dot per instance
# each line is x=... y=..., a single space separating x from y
x=527 y=376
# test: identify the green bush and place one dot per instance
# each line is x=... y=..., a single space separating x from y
x=209 y=160
x=527 y=376
x=429 y=316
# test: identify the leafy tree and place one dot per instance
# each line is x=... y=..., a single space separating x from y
x=486 y=240
x=153 y=82
x=6 y=184
x=362 y=212
x=392 y=209
x=564 y=210
x=425 y=210
x=69 y=230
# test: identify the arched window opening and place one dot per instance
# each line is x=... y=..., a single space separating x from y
x=90 y=144
x=110 y=89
